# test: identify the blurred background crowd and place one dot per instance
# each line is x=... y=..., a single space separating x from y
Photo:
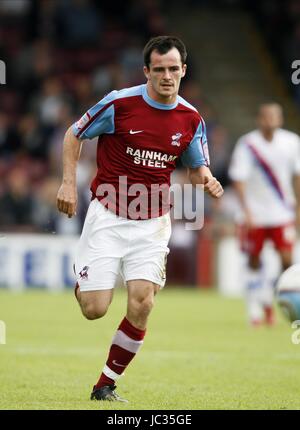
x=63 y=56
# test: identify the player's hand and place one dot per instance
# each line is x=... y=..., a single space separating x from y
x=67 y=199
x=213 y=187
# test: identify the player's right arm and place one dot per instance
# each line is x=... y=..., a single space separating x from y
x=96 y=121
x=67 y=193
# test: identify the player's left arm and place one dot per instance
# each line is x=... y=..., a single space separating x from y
x=196 y=159
x=203 y=176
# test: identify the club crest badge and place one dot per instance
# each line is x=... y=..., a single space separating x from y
x=84 y=273
x=176 y=139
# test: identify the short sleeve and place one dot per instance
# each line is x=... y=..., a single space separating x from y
x=196 y=154
x=97 y=120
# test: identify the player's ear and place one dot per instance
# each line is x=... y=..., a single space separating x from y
x=146 y=72
x=183 y=70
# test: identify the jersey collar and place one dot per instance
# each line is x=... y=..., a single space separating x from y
x=155 y=104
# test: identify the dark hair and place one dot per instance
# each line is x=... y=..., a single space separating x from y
x=164 y=44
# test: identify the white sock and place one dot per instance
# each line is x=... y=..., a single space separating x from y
x=253 y=294
x=267 y=291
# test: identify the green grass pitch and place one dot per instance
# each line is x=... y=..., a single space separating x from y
x=199 y=353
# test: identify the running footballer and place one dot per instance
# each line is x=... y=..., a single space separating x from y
x=142 y=131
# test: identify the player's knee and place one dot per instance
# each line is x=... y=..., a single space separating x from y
x=143 y=306
x=147 y=305
x=94 y=311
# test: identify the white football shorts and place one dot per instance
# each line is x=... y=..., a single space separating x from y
x=111 y=245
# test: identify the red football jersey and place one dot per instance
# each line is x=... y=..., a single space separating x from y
x=139 y=142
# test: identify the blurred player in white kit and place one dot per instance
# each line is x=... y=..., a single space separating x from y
x=265 y=172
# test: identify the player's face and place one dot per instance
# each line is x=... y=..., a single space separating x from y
x=270 y=118
x=164 y=75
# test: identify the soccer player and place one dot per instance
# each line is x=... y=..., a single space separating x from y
x=265 y=170
x=142 y=131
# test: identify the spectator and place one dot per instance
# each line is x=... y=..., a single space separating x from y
x=78 y=24
x=33 y=137
x=48 y=104
x=16 y=203
x=9 y=140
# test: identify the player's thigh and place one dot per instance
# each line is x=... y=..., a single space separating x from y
x=95 y=274
x=252 y=241
x=284 y=238
x=99 y=252
x=141 y=288
x=146 y=258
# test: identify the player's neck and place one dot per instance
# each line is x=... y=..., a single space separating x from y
x=159 y=98
x=268 y=134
